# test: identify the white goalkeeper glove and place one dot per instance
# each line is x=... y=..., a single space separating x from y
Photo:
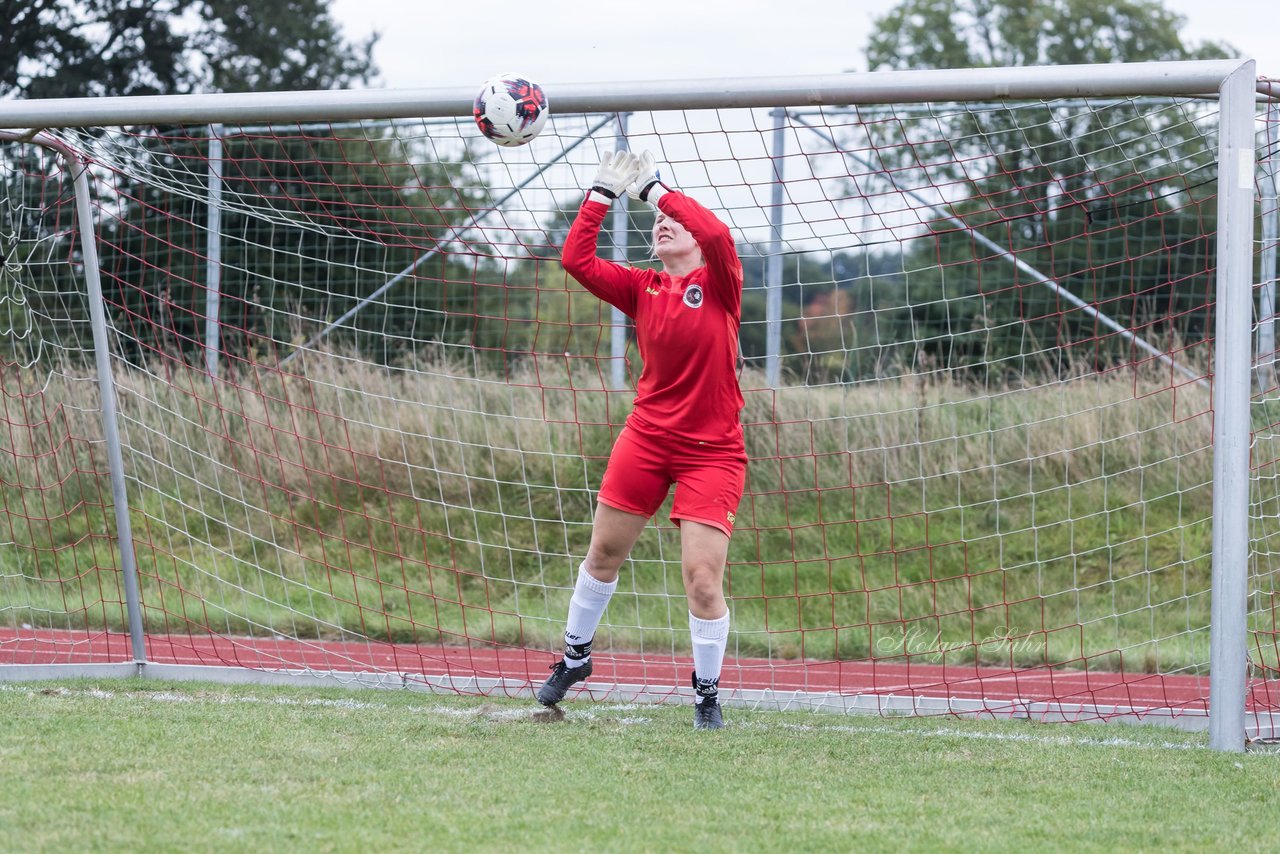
x=617 y=170
x=647 y=186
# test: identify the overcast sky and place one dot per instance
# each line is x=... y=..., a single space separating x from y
x=430 y=43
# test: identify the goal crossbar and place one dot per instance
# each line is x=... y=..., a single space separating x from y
x=881 y=87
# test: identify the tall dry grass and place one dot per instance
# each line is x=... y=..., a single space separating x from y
x=922 y=515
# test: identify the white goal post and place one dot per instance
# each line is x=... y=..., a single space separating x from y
x=313 y=356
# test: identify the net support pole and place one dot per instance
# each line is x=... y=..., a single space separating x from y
x=1267 y=273
x=1228 y=648
x=618 y=320
x=107 y=390
x=213 y=252
x=106 y=381
x=773 y=264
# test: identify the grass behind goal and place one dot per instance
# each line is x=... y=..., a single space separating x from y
x=153 y=766
x=1094 y=542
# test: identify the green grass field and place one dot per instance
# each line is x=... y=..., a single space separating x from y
x=151 y=766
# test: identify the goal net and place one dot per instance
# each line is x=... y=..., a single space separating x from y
x=363 y=412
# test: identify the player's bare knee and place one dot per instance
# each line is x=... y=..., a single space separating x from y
x=705 y=602
x=703 y=586
x=603 y=564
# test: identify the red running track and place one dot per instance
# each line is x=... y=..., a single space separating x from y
x=1015 y=686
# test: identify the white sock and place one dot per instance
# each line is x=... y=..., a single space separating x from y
x=710 y=638
x=590 y=596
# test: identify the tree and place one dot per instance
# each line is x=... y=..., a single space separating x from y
x=1060 y=186
x=74 y=48
x=992 y=33
x=311 y=224
x=77 y=48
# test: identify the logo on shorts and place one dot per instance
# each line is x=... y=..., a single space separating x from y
x=730 y=516
x=693 y=296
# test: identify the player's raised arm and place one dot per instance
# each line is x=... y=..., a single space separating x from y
x=712 y=235
x=616 y=284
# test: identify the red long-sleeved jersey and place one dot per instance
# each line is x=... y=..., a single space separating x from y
x=686 y=326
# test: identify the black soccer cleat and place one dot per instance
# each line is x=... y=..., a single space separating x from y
x=707 y=715
x=561 y=679
x=706 y=707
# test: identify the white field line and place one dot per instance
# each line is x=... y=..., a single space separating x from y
x=597 y=712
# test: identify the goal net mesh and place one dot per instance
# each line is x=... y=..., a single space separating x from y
x=364 y=412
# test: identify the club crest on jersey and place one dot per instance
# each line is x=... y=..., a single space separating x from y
x=693 y=296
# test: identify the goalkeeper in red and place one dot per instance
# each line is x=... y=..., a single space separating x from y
x=685 y=427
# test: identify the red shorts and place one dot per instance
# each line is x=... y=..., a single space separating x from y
x=709 y=480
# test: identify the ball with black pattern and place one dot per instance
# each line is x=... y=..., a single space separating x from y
x=511 y=109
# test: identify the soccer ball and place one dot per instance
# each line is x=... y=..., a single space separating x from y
x=511 y=109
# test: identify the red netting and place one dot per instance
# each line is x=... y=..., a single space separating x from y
x=364 y=412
